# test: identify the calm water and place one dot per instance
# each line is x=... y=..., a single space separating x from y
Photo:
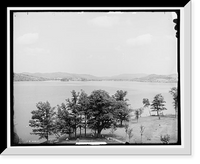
x=27 y=94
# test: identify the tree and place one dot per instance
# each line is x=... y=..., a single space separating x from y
x=121 y=111
x=101 y=110
x=73 y=106
x=121 y=106
x=84 y=107
x=120 y=95
x=43 y=120
x=174 y=93
x=137 y=114
x=158 y=104
x=146 y=103
x=65 y=120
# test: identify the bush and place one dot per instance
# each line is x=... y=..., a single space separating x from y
x=165 y=139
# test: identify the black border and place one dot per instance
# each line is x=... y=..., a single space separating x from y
x=11 y=81
x=3 y=120
x=140 y=3
x=104 y=10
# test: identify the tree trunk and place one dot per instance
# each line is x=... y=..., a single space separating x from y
x=75 y=128
x=80 y=131
x=85 y=125
x=95 y=132
x=121 y=122
x=69 y=133
x=47 y=138
x=75 y=132
x=99 y=132
x=158 y=115
x=176 y=112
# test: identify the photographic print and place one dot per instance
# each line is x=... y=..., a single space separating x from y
x=107 y=77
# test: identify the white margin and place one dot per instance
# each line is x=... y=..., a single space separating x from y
x=184 y=149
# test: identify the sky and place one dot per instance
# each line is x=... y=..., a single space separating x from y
x=96 y=43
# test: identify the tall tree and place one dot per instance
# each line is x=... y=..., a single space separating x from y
x=121 y=106
x=43 y=120
x=84 y=107
x=73 y=106
x=174 y=93
x=65 y=120
x=101 y=110
x=158 y=104
x=121 y=111
x=146 y=103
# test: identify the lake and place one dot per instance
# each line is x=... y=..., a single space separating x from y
x=27 y=94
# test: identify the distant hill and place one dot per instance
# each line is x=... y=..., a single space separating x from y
x=25 y=76
x=61 y=75
x=158 y=78
x=127 y=76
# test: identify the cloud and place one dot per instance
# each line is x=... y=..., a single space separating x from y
x=28 y=38
x=35 y=51
x=105 y=21
x=140 y=40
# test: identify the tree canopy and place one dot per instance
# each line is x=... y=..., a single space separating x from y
x=158 y=104
x=174 y=93
x=43 y=120
x=101 y=109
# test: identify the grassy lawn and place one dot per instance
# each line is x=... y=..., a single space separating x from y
x=153 y=129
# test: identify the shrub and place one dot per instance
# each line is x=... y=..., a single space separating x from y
x=165 y=139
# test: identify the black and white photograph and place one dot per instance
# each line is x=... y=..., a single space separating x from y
x=96 y=77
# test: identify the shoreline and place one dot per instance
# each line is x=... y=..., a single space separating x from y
x=98 y=81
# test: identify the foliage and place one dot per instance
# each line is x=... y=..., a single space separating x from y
x=101 y=111
x=74 y=109
x=137 y=114
x=121 y=106
x=65 y=120
x=174 y=93
x=158 y=104
x=84 y=108
x=121 y=111
x=165 y=139
x=120 y=95
x=43 y=120
x=146 y=102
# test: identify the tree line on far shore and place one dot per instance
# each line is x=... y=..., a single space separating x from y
x=96 y=111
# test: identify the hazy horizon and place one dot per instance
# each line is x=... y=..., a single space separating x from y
x=96 y=75
x=95 y=43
